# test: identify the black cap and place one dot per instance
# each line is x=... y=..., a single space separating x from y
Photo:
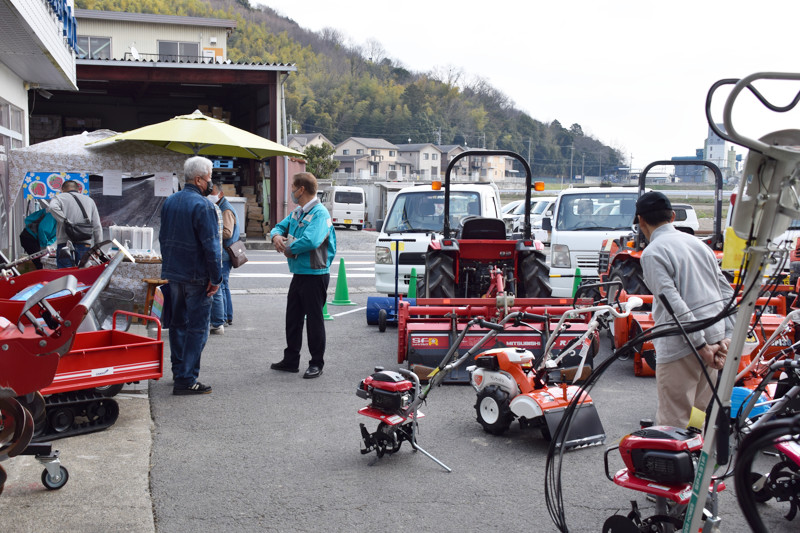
x=652 y=201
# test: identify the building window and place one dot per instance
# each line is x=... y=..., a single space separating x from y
x=435 y=157
x=425 y=156
x=94 y=47
x=345 y=152
x=391 y=153
x=178 y=51
x=374 y=152
x=392 y=167
x=12 y=124
x=359 y=151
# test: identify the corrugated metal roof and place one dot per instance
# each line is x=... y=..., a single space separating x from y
x=281 y=67
x=149 y=18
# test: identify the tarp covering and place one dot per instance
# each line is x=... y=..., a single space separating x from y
x=138 y=206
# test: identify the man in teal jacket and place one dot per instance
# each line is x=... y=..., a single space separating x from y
x=307 y=239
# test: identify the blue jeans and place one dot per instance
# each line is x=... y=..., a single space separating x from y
x=222 y=309
x=188 y=330
x=65 y=260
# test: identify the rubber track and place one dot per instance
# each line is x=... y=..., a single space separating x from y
x=80 y=402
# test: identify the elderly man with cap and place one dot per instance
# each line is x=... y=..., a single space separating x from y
x=685 y=271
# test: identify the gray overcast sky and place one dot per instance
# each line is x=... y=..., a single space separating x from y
x=632 y=73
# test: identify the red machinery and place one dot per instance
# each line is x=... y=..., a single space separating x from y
x=660 y=461
x=426 y=330
x=44 y=346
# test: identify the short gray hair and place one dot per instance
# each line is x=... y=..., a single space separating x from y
x=196 y=166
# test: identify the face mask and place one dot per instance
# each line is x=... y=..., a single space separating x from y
x=295 y=199
x=214 y=198
x=209 y=188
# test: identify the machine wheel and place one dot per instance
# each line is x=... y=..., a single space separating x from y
x=493 y=410
x=533 y=276
x=359 y=227
x=55 y=483
x=95 y=255
x=421 y=287
x=382 y=320
x=61 y=419
x=630 y=274
x=441 y=278
x=109 y=391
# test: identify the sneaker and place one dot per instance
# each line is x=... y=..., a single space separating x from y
x=217 y=330
x=196 y=388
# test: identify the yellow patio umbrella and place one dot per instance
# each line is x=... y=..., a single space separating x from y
x=197 y=134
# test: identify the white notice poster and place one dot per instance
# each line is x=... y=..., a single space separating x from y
x=163 y=183
x=112 y=183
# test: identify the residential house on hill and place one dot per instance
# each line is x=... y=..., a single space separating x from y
x=425 y=159
x=372 y=158
x=299 y=141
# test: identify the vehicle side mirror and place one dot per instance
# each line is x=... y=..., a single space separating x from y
x=379 y=225
x=546 y=224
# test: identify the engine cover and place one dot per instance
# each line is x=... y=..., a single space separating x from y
x=661 y=453
x=390 y=391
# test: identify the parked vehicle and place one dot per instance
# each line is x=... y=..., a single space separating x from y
x=582 y=219
x=542 y=208
x=346 y=205
x=417 y=216
x=511 y=206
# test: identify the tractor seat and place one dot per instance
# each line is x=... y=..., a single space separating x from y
x=484 y=228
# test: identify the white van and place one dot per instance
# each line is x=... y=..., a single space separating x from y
x=417 y=214
x=346 y=205
x=582 y=219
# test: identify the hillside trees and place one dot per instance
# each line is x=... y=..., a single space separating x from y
x=342 y=90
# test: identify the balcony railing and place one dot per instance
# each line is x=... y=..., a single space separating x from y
x=167 y=58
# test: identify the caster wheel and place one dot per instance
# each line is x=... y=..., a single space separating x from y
x=55 y=483
x=382 y=320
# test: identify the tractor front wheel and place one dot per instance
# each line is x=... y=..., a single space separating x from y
x=493 y=410
x=629 y=273
x=440 y=277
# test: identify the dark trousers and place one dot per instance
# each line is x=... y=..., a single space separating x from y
x=66 y=260
x=31 y=246
x=307 y=294
x=188 y=330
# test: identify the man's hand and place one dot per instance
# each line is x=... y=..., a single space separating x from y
x=710 y=353
x=211 y=289
x=280 y=243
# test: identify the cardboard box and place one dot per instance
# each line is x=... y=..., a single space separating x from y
x=216 y=112
x=203 y=109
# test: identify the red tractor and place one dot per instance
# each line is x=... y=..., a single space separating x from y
x=477 y=260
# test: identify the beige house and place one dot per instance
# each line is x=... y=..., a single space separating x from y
x=363 y=157
x=140 y=36
x=299 y=141
x=425 y=159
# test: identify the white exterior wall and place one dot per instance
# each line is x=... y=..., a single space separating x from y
x=12 y=90
x=146 y=36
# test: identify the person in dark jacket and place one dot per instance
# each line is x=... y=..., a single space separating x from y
x=307 y=239
x=39 y=233
x=191 y=261
x=222 y=309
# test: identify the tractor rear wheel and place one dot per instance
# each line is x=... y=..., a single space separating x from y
x=629 y=273
x=493 y=410
x=441 y=279
x=534 y=276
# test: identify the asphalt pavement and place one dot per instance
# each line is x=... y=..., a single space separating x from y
x=270 y=451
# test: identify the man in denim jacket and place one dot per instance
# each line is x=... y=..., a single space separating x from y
x=191 y=261
x=306 y=237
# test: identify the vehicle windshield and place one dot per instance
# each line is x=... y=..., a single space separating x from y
x=596 y=211
x=348 y=197
x=424 y=210
x=539 y=207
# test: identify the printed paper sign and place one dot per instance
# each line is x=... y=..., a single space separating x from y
x=112 y=183
x=163 y=185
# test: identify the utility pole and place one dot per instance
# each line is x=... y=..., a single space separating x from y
x=583 y=165
x=571 y=153
x=484 y=141
x=291 y=124
x=529 y=153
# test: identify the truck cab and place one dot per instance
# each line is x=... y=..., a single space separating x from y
x=583 y=218
x=417 y=215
